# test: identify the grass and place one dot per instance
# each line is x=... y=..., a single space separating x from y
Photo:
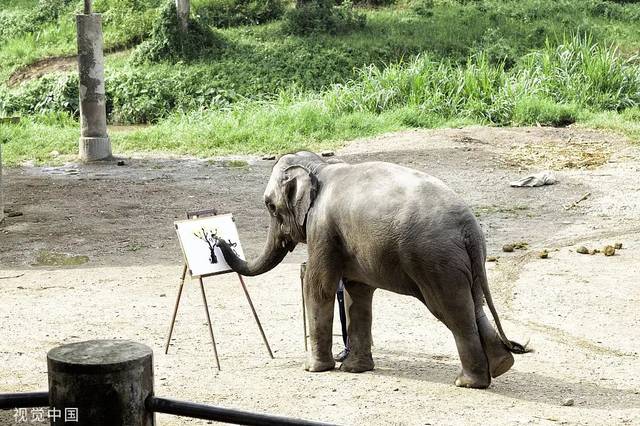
x=487 y=62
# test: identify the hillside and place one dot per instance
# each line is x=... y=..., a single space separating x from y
x=256 y=77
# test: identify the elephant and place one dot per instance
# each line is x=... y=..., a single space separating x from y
x=381 y=225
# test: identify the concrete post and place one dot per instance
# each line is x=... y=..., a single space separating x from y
x=94 y=141
x=107 y=381
x=1 y=193
x=182 y=7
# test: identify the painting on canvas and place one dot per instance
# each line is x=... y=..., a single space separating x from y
x=199 y=242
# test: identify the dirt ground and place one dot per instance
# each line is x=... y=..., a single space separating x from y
x=94 y=255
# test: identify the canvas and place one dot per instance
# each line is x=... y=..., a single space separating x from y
x=198 y=241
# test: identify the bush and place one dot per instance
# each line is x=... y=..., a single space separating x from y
x=532 y=110
x=127 y=22
x=323 y=16
x=228 y=13
x=374 y=3
x=168 y=42
x=582 y=72
x=14 y=24
x=148 y=95
x=52 y=93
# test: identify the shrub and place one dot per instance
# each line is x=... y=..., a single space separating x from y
x=228 y=13
x=541 y=110
x=588 y=74
x=375 y=3
x=14 y=24
x=323 y=16
x=168 y=42
x=52 y=93
x=127 y=22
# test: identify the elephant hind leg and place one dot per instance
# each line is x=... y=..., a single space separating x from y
x=499 y=357
x=450 y=300
x=359 y=329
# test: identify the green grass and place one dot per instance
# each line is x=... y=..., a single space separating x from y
x=486 y=62
x=260 y=61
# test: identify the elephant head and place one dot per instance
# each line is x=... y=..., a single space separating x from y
x=288 y=197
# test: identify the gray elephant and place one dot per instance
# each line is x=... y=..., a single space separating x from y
x=381 y=225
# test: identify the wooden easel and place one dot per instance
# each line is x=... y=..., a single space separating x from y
x=195 y=215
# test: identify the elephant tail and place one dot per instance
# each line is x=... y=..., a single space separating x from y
x=480 y=282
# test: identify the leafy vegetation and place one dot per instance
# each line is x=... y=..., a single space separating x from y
x=263 y=88
x=168 y=42
x=228 y=13
x=323 y=16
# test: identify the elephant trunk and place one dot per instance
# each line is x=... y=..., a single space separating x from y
x=274 y=251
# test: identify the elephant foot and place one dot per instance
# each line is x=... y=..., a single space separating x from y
x=316 y=366
x=357 y=364
x=465 y=381
x=499 y=366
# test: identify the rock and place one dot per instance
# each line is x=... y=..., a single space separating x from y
x=594 y=251
x=269 y=157
x=617 y=246
x=492 y=258
x=568 y=402
x=13 y=213
x=120 y=163
x=507 y=248
x=327 y=153
x=522 y=245
x=609 y=251
x=544 y=254
x=582 y=250
x=54 y=154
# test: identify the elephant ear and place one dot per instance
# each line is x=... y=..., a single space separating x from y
x=300 y=187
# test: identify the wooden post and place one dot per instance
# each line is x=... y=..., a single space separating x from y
x=105 y=382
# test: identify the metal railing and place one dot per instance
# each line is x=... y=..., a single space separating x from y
x=174 y=407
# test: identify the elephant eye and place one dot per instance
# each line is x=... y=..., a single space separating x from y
x=271 y=207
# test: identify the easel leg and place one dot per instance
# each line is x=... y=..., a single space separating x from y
x=206 y=309
x=303 y=269
x=175 y=309
x=255 y=315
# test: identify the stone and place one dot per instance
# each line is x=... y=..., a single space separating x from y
x=327 y=153
x=609 y=251
x=544 y=254
x=568 y=402
x=582 y=250
x=507 y=248
x=617 y=246
x=492 y=258
x=120 y=163
x=269 y=157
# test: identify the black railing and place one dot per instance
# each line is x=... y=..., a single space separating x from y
x=226 y=415
x=170 y=406
x=24 y=400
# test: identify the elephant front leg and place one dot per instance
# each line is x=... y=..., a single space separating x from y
x=319 y=295
x=359 y=330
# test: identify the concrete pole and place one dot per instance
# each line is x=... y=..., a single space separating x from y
x=182 y=7
x=94 y=141
x=106 y=382
x=1 y=193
